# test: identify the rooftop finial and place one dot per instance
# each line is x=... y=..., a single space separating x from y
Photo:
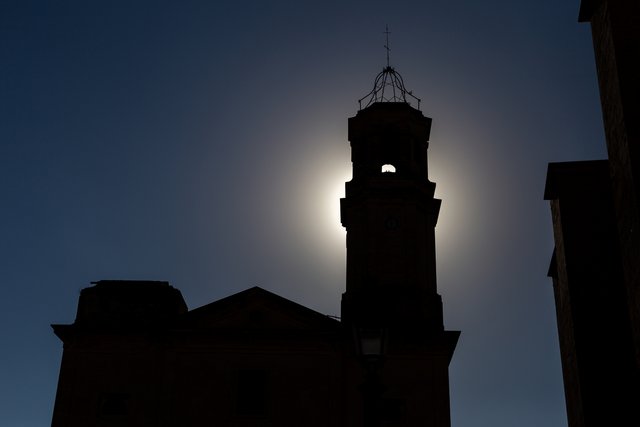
x=386 y=46
x=388 y=86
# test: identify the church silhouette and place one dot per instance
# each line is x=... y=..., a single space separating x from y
x=137 y=356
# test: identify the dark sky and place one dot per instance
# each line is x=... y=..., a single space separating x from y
x=205 y=143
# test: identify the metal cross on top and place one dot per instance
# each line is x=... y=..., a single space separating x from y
x=386 y=46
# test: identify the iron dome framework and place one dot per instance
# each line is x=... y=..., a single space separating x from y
x=388 y=87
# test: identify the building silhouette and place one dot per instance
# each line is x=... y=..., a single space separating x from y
x=136 y=356
x=596 y=222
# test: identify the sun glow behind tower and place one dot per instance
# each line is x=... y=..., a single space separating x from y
x=318 y=197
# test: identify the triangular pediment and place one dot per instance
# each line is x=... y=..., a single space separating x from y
x=258 y=309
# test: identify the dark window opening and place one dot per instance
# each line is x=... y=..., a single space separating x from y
x=251 y=399
x=113 y=406
x=392 y=409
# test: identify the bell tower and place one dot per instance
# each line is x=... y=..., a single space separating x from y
x=390 y=214
x=391 y=297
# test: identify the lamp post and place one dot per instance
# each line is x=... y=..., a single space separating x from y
x=370 y=344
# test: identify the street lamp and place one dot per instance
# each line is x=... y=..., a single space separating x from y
x=370 y=344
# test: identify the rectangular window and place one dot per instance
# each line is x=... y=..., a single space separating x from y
x=113 y=406
x=392 y=409
x=251 y=397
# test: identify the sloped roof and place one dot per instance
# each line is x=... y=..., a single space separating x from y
x=254 y=310
x=257 y=309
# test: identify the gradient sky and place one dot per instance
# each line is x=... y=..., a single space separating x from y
x=205 y=143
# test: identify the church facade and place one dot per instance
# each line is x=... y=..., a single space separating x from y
x=136 y=356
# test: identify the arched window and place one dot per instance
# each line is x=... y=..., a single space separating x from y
x=388 y=168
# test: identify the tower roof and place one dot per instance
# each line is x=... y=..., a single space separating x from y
x=388 y=87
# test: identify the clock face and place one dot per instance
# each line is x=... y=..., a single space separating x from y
x=391 y=223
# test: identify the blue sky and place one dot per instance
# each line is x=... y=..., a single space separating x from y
x=205 y=143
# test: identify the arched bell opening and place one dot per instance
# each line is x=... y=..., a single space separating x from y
x=388 y=168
